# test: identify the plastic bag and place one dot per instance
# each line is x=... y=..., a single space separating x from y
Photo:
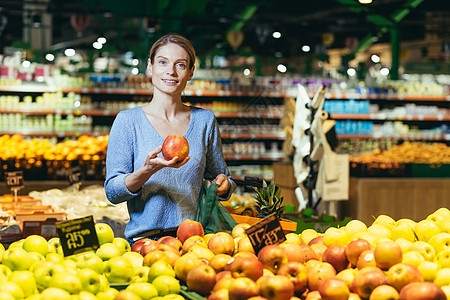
x=213 y=216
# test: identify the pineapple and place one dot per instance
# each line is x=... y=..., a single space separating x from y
x=268 y=200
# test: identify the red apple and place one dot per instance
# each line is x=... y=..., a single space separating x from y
x=272 y=257
x=316 y=240
x=401 y=274
x=222 y=275
x=201 y=279
x=136 y=247
x=298 y=252
x=149 y=246
x=334 y=289
x=243 y=288
x=365 y=259
x=219 y=295
x=335 y=255
x=219 y=261
x=297 y=273
x=246 y=254
x=221 y=242
x=355 y=248
x=189 y=228
x=313 y=295
x=175 y=145
x=154 y=256
x=245 y=267
x=422 y=290
x=223 y=283
x=366 y=280
x=244 y=244
x=171 y=241
x=276 y=287
x=318 y=249
x=318 y=273
x=239 y=229
x=387 y=254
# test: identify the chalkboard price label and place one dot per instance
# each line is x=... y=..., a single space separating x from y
x=77 y=235
x=268 y=231
x=14 y=180
x=74 y=175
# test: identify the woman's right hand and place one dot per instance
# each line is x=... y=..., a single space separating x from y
x=153 y=162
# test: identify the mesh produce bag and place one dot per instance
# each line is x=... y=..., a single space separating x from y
x=213 y=216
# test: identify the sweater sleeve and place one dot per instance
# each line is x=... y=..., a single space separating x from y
x=119 y=159
x=215 y=162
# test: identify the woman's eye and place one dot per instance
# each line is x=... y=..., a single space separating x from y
x=162 y=62
x=181 y=65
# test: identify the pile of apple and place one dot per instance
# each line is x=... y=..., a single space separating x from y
x=389 y=259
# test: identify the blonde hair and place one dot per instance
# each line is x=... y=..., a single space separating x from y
x=177 y=39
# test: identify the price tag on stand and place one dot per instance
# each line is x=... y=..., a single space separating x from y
x=14 y=180
x=77 y=235
x=268 y=231
x=74 y=175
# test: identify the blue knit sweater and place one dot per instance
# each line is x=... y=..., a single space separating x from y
x=170 y=195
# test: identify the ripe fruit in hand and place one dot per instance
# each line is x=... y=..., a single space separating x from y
x=105 y=234
x=401 y=274
x=334 y=289
x=366 y=280
x=189 y=228
x=201 y=279
x=387 y=254
x=175 y=145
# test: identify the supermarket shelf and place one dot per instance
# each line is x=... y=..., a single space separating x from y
x=382 y=116
x=45 y=134
x=76 y=112
x=398 y=137
x=268 y=156
x=269 y=115
x=261 y=136
x=387 y=97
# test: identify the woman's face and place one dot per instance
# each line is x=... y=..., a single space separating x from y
x=170 y=69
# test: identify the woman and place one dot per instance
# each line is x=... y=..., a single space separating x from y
x=160 y=194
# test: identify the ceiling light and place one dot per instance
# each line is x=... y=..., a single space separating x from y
x=135 y=62
x=69 y=52
x=97 y=45
x=276 y=34
x=135 y=71
x=375 y=58
x=101 y=40
x=384 y=71
x=351 y=72
x=281 y=68
x=365 y=1
x=26 y=64
x=306 y=48
x=246 y=72
x=49 y=57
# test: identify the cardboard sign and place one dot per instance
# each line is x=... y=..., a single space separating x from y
x=14 y=180
x=74 y=175
x=77 y=235
x=268 y=231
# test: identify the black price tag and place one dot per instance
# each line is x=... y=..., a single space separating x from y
x=74 y=175
x=14 y=180
x=77 y=235
x=268 y=231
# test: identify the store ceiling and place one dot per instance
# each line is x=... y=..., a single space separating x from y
x=135 y=24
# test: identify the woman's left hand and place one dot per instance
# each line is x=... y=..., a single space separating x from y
x=224 y=184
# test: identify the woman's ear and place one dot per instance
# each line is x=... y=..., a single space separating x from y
x=149 y=68
x=191 y=73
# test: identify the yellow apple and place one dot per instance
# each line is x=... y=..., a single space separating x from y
x=443 y=258
x=366 y=236
x=442 y=277
x=385 y=220
x=413 y=258
x=378 y=231
x=425 y=249
x=444 y=211
x=308 y=234
x=403 y=230
x=408 y=221
x=425 y=229
x=428 y=270
x=446 y=289
x=293 y=238
x=355 y=226
x=335 y=236
x=404 y=244
x=440 y=241
x=385 y=292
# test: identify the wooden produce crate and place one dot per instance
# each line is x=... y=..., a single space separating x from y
x=288 y=226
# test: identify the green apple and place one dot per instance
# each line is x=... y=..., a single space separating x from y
x=44 y=271
x=25 y=280
x=428 y=270
x=54 y=257
x=35 y=243
x=135 y=258
x=425 y=229
x=16 y=244
x=5 y=272
x=442 y=277
x=54 y=245
x=140 y=274
x=6 y=296
x=108 y=294
x=17 y=259
x=108 y=251
x=440 y=241
x=104 y=283
x=90 y=280
x=126 y=295
x=90 y=260
x=166 y=284
x=145 y=290
x=12 y=288
x=443 y=259
x=70 y=265
x=425 y=249
x=105 y=234
x=122 y=243
x=172 y=297
x=67 y=281
x=53 y=293
x=84 y=295
x=158 y=268
x=119 y=270
x=35 y=257
x=385 y=220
